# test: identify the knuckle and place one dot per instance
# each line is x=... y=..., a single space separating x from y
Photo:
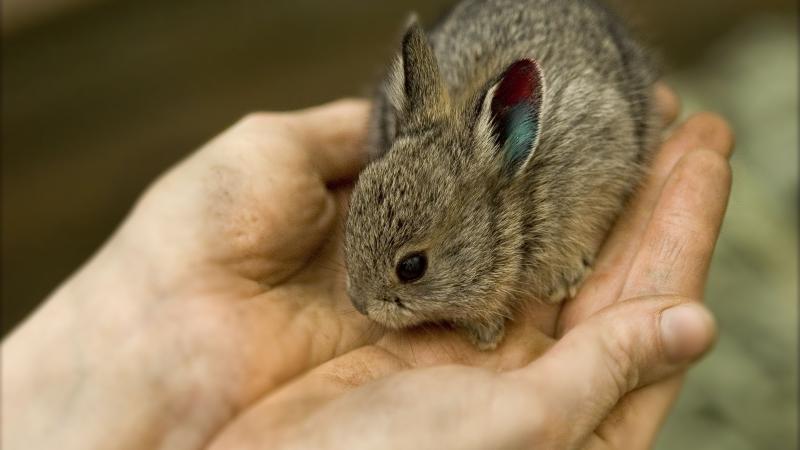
x=254 y=118
x=704 y=171
x=705 y=163
x=259 y=121
x=668 y=101
x=349 y=103
x=619 y=361
x=713 y=130
x=708 y=121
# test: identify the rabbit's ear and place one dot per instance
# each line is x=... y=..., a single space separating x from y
x=415 y=87
x=510 y=114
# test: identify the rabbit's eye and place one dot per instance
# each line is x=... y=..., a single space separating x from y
x=412 y=267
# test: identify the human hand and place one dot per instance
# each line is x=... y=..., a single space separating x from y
x=219 y=287
x=183 y=316
x=615 y=337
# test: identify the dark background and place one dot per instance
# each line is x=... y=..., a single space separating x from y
x=100 y=96
x=99 y=99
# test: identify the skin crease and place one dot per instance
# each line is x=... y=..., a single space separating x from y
x=216 y=317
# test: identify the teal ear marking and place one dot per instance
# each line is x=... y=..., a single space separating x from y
x=522 y=131
x=516 y=110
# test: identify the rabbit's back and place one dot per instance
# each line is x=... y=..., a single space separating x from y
x=598 y=119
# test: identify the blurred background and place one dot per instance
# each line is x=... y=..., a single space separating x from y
x=100 y=96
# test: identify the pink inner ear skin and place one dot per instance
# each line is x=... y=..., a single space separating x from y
x=520 y=83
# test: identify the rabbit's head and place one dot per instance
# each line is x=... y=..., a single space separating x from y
x=431 y=234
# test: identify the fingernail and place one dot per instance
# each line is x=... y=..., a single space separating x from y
x=687 y=332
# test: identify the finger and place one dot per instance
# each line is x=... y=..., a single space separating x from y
x=635 y=422
x=681 y=269
x=334 y=135
x=703 y=130
x=683 y=231
x=669 y=105
x=706 y=131
x=627 y=346
x=637 y=419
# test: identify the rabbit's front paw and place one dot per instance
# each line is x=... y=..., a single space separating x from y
x=486 y=336
x=570 y=281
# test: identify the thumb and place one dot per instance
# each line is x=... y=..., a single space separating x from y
x=334 y=134
x=624 y=347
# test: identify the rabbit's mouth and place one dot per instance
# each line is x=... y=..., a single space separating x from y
x=394 y=313
x=389 y=311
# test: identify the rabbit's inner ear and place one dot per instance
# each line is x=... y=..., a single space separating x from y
x=512 y=112
x=415 y=88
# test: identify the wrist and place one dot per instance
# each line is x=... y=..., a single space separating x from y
x=93 y=353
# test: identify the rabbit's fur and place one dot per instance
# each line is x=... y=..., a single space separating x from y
x=497 y=230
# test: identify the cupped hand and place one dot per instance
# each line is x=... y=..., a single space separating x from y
x=217 y=316
x=566 y=376
x=222 y=285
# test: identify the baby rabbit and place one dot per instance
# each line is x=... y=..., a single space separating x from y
x=504 y=146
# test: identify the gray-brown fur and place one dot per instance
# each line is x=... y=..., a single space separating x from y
x=492 y=237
